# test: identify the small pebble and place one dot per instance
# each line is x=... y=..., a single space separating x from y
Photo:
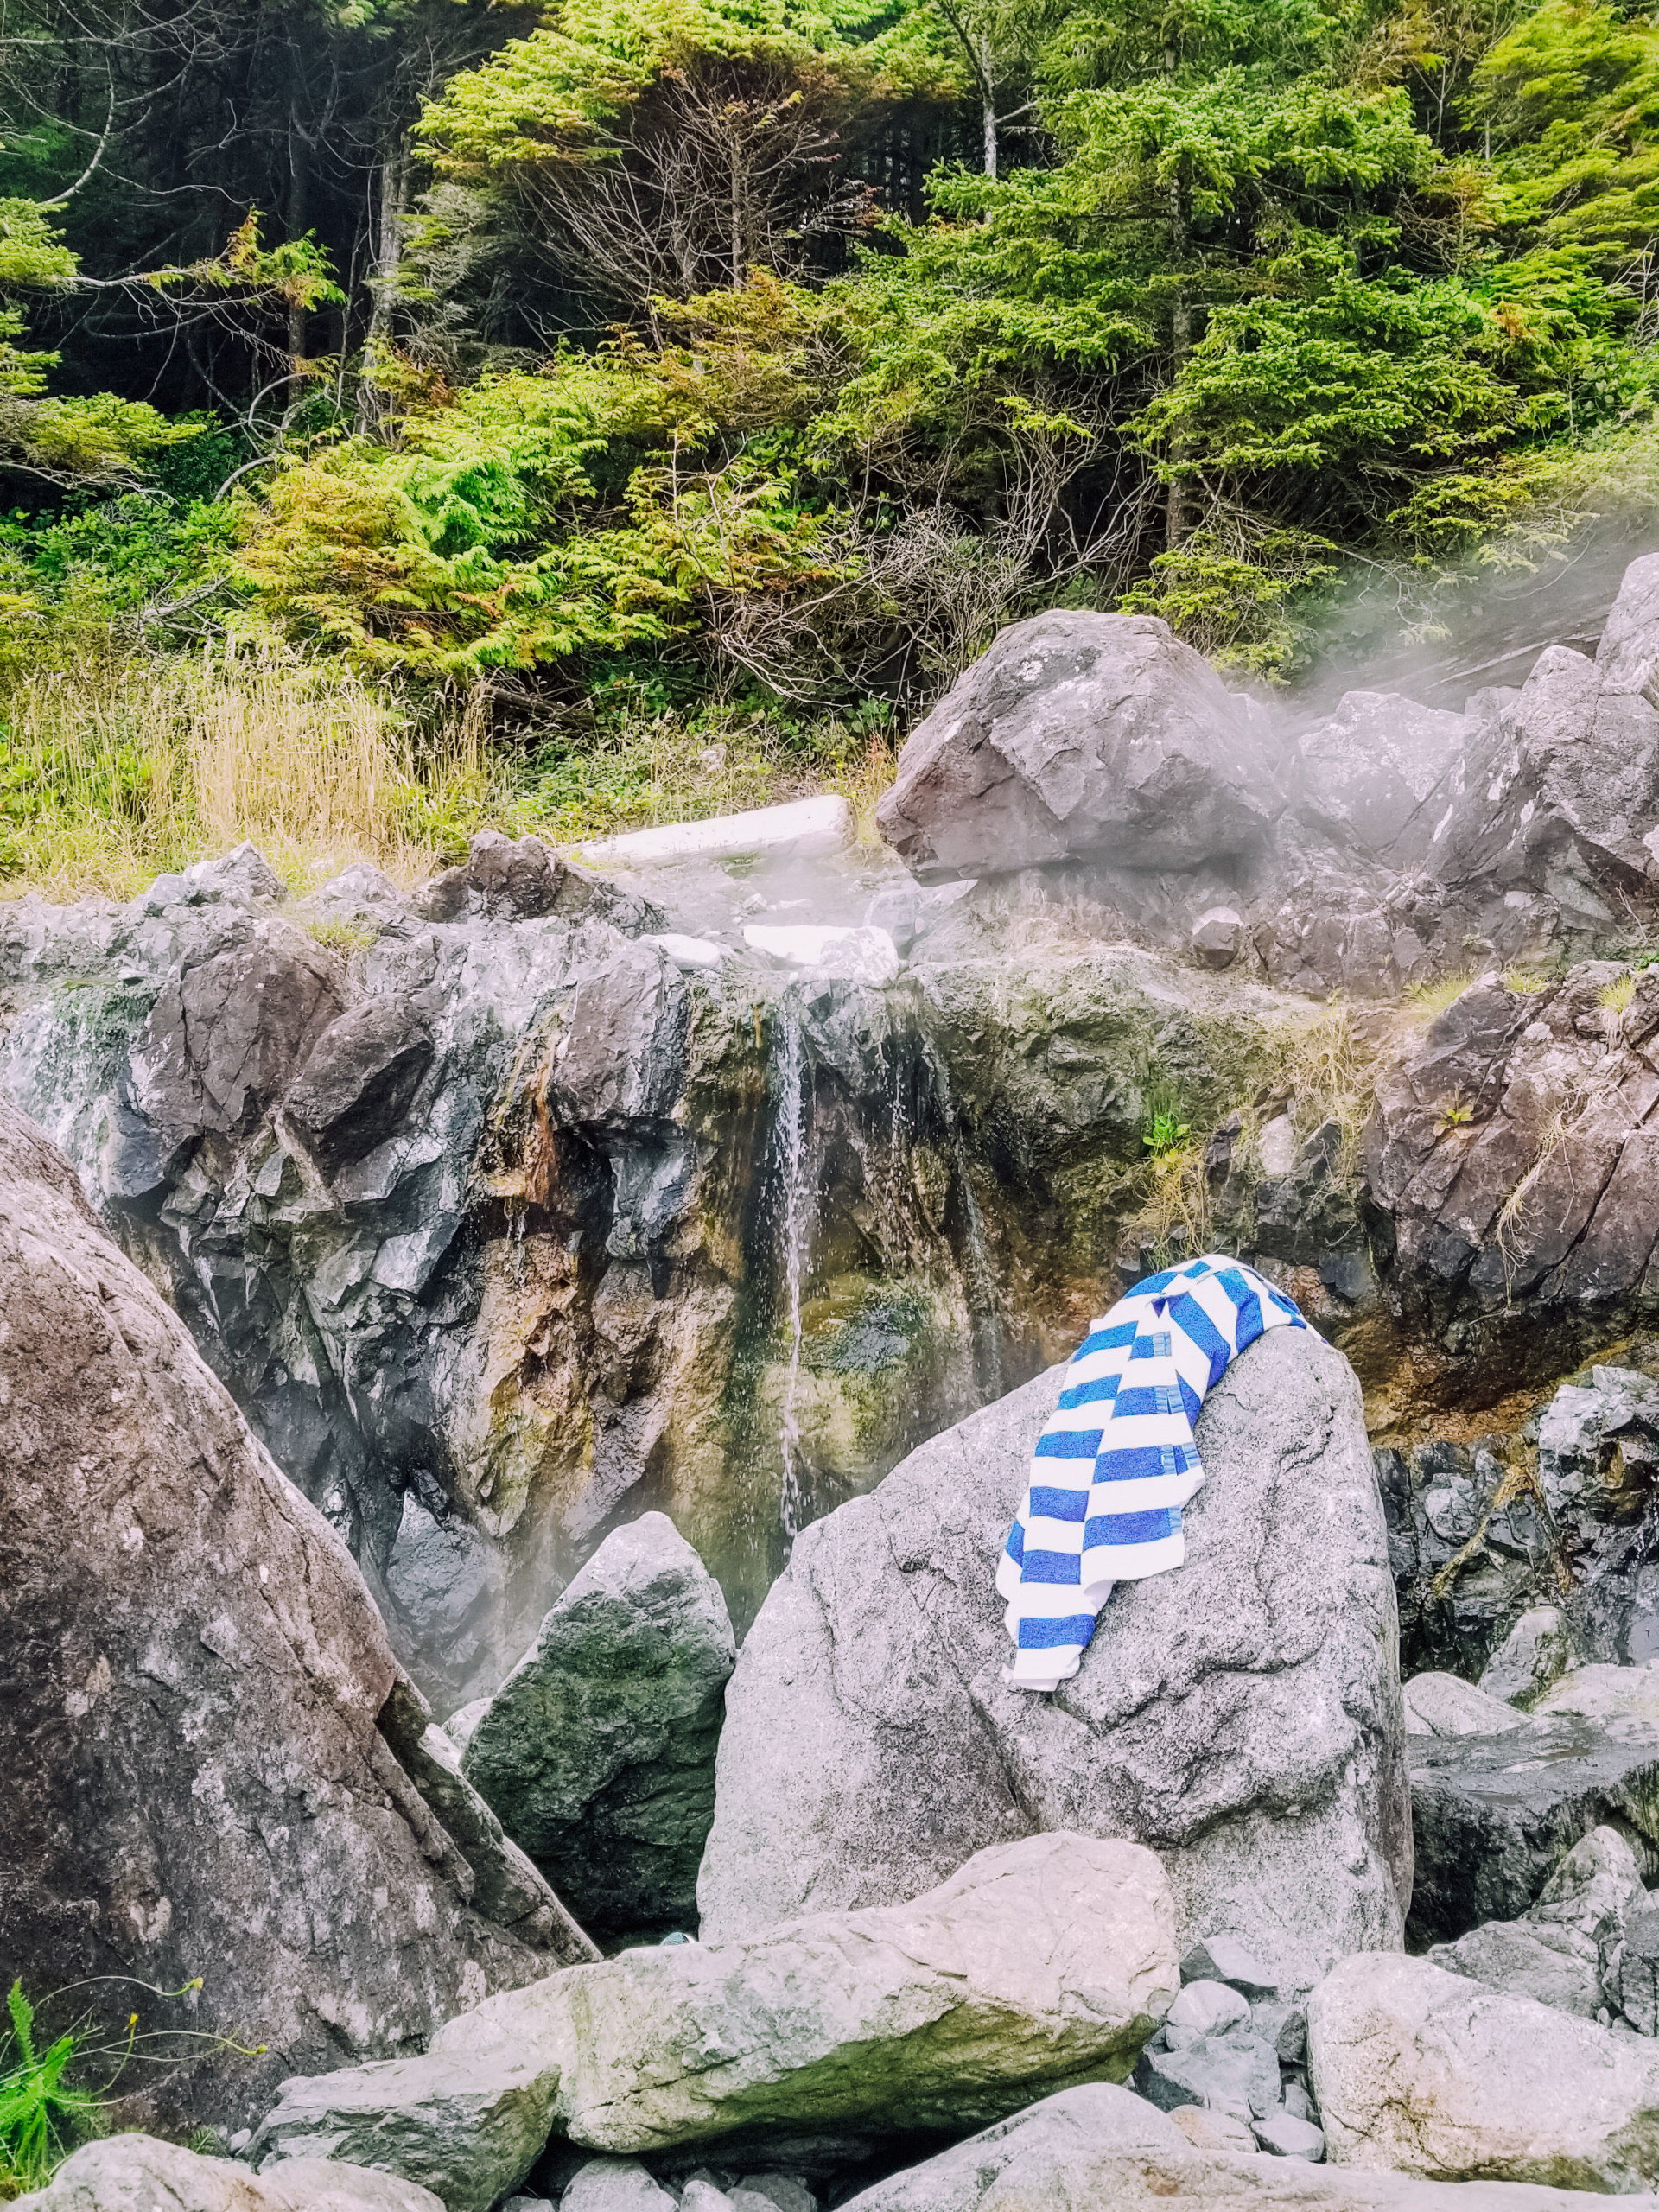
x=1212 y=2131
x=1223 y=1958
x=1202 y=2007
x=1287 y=2137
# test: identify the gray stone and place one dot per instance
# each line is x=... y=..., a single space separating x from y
x=1638 y=1971
x=1201 y=2006
x=469 y=2133
x=504 y=879
x=1287 y=2136
x=136 y=2173
x=1493 y=1817
x=528 y=2204
x=613 y=2185
x=1041 y=1962
x=1217 y=936
x=1536 y=1651
x=1297 y=2103
x=1229 y=2071
x=1441 y=1705
x=225 y=1036
x=1241 y=1715
x=192 y=1673
x=359 y=1082
x=703 y=2196
x=1223 y=1958
x=1214 y=2130
x=1097 y=2149
x=1081 y=737
x=1624 y=1700
x=597 y=1751
x=362 y=891
x=1368 y=768
x=440 y=1573
x=1283 y=2025
x=1433 y=2074
x=1629 y=650
x=782 y=2191
x=1566 y=1950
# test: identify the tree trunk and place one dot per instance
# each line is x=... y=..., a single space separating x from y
x=1180 y=346
x=386 y=253
x=739 y=271
x=987 y=98
x=299 y=183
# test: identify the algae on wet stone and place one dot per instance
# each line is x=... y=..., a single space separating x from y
x=597 y=1753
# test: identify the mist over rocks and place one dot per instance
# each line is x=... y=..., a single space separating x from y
x=1081 y=736
x=193 y=1680
x=1084 y=760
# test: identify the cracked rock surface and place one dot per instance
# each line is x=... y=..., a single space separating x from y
x=1243 y=1716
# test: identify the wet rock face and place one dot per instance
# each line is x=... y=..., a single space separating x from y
x=1512 y=1155
x=191 y=1677
x=1081 y=736
x=487 y=1222
x=1241 y=1716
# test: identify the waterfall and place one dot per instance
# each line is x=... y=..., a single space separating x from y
x=977 y=1279
x=788 y=1141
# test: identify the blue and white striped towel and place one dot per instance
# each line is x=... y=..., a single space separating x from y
x=1116 y=1461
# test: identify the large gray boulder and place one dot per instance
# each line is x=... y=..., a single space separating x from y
x=195 y=1706
x=1430 y=2073
x=1241 y=1715
x=1565 y=1949
x=1368 y=768
x=1494 y=1816
x=1100 y=2149
x=1081 y=737
x=136 y=2173
x=467 y=2131
x=1041 y=1963
x=597 y=1751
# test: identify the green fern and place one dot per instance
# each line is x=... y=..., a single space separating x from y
x=41 y=2115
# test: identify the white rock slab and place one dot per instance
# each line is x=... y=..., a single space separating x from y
x=1624 y=1700
x=822 y=823
x=864 y=954
x=1445 y=1705
x=693 y=952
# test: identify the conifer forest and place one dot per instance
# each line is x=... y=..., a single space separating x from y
x=418 y=414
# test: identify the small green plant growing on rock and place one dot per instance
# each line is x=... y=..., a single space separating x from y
x=344 y=937
x=1524 y=982
x=1164 y=1134
x=41 y=2116
x=1454 y=1114
x=1615 y=997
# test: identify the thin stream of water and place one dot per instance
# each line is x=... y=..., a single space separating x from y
x=790 y=1134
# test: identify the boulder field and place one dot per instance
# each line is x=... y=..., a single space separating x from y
x=512 y=1393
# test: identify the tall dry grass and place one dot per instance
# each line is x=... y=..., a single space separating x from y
x=123 y=771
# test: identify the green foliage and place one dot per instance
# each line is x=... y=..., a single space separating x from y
x=41 y=2114
x=1164 y=1134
